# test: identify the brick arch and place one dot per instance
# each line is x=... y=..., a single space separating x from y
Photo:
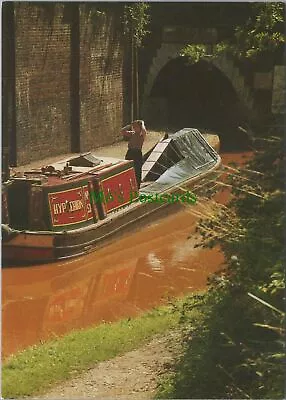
x=225 y=64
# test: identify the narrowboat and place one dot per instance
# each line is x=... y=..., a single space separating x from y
x=71 y=207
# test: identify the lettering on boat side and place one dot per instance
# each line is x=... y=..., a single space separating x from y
x=67 y=206
x=71 y=206
x=188 y=197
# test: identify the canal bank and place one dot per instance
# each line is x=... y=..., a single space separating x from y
x=39 y=367
x=117 y=150
x=133 y=375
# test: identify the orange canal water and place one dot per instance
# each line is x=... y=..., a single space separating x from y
x=135 y=273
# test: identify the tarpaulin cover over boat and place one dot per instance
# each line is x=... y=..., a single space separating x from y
x=183 y=155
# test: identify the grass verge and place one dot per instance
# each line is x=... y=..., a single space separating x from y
x=38 y=367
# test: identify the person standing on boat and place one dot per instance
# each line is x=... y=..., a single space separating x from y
x=135 y=133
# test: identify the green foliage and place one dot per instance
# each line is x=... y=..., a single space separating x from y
x=262 y=32
x=194 y=51
x=237 y=350
x=136 y=21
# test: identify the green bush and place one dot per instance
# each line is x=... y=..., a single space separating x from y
x=237 y=349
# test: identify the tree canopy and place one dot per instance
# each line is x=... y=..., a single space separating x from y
x=262 y=32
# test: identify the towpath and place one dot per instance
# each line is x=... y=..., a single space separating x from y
x=132 y=376
x=117 y=150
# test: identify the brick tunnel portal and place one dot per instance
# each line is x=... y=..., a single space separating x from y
x=197 y=95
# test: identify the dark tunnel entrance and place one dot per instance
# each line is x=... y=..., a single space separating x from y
x=198 y=95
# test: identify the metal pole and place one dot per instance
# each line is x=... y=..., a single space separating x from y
x=74 y=79
x=9 y=137
x=132 y=74
x=137 y=83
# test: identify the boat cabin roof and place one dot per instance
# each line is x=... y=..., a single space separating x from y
x=62 y=172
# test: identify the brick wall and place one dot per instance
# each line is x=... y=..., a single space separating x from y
x=102 y=85
x=49 y=119
x=42 y=46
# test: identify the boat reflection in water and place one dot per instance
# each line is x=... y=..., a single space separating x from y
x=133 y=274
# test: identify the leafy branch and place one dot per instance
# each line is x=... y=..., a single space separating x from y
x=136 y=20
x=262 y=32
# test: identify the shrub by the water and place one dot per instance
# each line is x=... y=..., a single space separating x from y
x=237 y=349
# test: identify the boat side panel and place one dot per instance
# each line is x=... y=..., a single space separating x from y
x=118 y=190
x=69 y=206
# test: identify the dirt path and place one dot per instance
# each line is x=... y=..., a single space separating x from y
x=133 y=375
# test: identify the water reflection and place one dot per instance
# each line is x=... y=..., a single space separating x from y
x=133 y=274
